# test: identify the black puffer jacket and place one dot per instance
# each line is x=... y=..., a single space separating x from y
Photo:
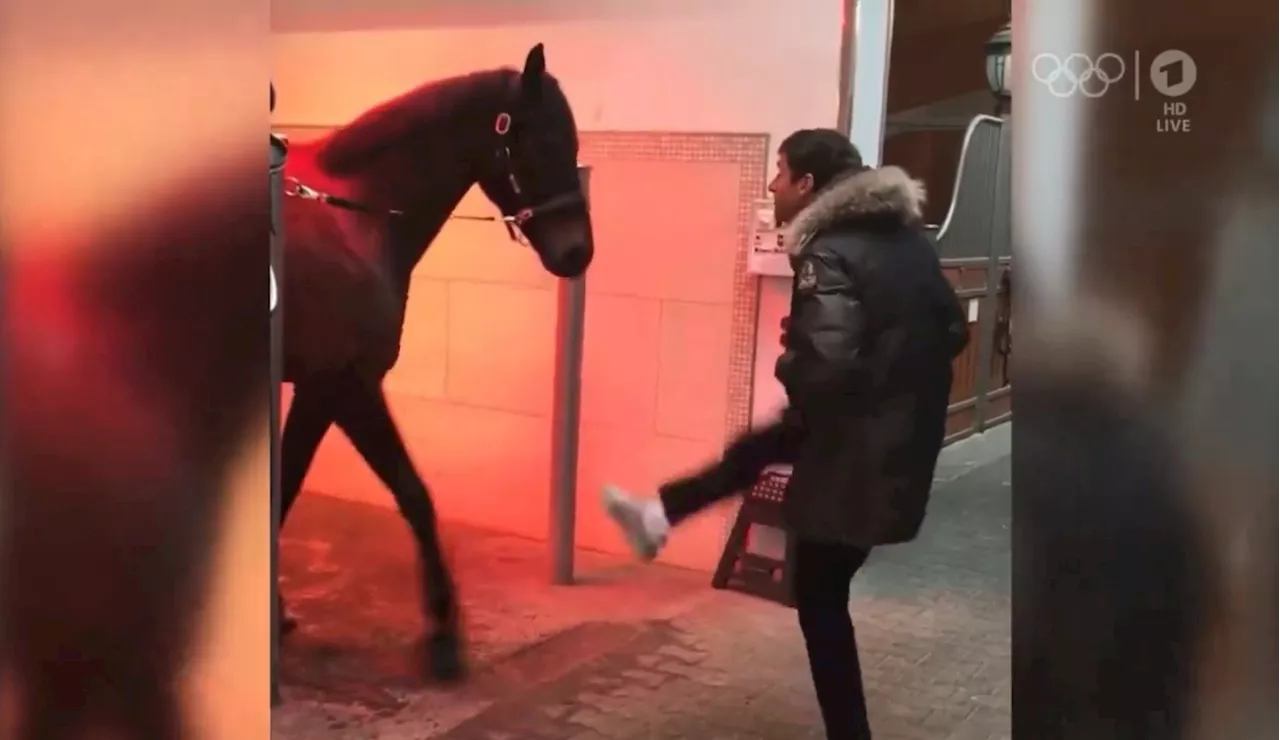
x=867 y=362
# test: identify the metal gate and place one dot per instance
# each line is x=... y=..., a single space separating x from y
x=974 y=242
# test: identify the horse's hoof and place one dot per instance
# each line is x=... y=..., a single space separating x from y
x=288 y=623
x=444 y=658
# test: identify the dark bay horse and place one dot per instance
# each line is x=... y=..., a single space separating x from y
x=367 y=202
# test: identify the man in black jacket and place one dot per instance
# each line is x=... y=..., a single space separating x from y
x=873 y=328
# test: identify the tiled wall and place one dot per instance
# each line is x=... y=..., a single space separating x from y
x=675 y=309
x=669 y=347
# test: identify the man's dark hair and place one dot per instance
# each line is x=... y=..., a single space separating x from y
x=823 y=153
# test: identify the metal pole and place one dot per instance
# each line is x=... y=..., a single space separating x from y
x=848 y=31
x=566 y=411
x=869 y=77
x=278 y=155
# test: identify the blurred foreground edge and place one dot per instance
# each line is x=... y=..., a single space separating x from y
x=1144 y=469
x=135 y=370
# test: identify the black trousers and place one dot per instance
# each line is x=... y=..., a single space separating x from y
x=823 y=573
x=741 y=467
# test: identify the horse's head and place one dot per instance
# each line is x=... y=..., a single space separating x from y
x=533 y=177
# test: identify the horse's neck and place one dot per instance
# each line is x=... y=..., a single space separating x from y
x=448 y=178
x=426 y=176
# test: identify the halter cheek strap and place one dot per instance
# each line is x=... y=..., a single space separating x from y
x=502 y=127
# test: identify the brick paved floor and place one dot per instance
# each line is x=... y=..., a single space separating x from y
x=643 y=651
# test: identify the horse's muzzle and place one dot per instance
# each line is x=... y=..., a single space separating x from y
x=564 y=243
x=572 y=262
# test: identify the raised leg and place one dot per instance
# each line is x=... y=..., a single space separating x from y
x=646 y=522
x=361 y=413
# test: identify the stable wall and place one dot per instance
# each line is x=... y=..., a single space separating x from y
x=669 y=371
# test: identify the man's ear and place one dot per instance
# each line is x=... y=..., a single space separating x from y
x=806 y=184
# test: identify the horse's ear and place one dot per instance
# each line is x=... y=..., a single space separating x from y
x=535 y=66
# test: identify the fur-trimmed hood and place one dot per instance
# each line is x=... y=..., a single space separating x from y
x=884 y=192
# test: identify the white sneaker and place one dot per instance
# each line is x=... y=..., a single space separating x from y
x=643 y=522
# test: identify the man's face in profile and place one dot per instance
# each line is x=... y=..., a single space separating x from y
x=790 y=193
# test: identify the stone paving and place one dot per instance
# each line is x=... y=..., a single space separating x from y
x=645 y=652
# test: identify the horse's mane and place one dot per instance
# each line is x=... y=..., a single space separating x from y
x=394 y=120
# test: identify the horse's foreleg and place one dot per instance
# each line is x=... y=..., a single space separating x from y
x=362 y=414
x=310 y=415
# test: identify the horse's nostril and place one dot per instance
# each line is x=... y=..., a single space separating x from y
x=585 y=255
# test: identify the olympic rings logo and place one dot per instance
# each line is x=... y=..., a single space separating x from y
x=1078 y=73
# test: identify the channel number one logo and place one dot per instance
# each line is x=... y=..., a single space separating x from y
x=1173 y=73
